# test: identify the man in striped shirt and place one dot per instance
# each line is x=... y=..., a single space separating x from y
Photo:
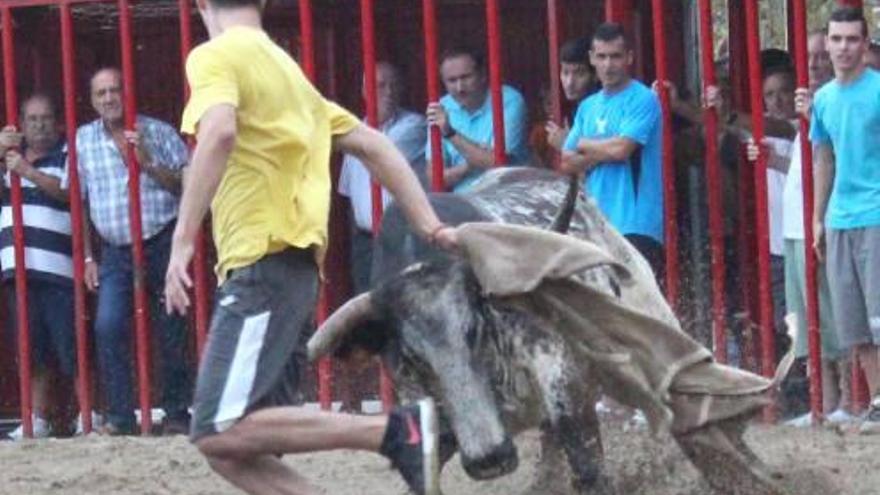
x=37 y=155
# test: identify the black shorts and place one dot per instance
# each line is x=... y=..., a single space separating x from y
x=50 y=324
x=256 y=341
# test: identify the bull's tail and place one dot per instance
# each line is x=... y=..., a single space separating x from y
x=562 y=221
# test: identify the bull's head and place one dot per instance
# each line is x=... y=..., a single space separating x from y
x=426 y=322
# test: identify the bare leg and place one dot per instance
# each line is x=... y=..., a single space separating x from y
x=831 y=393
x=263 y=475
x=844 y=373
x=40 y=392
x=869 y=359
x=243 y=453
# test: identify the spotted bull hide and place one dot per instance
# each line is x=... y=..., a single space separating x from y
x=499 y=363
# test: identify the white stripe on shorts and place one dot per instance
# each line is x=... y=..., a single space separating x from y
x=243 y=371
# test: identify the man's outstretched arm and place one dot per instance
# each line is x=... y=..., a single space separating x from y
x=391 y=169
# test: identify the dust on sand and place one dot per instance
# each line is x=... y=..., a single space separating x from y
x=813 y=462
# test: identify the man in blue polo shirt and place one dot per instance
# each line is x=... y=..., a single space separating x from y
x=845 y=130
x=616 y=140
x=464 y=117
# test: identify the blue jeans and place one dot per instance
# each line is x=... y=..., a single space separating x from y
x=113 y=331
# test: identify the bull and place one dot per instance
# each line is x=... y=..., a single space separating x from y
x=508 y=340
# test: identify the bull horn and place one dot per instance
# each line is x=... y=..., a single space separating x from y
x=338 y=325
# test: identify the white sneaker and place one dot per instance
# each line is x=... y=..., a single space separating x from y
x=97 y=422
x=804 y=421
x=41 y=430
x=840 y=417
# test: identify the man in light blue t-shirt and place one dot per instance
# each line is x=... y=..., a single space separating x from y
x=845 y=132
x=616 y=140
x=464 y=117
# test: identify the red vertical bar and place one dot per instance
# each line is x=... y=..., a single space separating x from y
x=307 y=36
x=713 y=186
x=200 y=270
x=432 y=78
x=141 y=310
x=860 y=394
x=21 y=299
x=493 y=30
x=368 y=45
x=670 y=226
x=799 y=21
x=738 y=72
x=553 y=39
x=768 y=347
x=618 y=11
x=307 y=58
x=76 y=216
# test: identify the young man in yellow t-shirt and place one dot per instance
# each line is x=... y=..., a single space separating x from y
x=262 y=162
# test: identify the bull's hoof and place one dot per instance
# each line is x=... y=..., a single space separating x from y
x=503 y=460
x=728 y=470
x=551 y=476
x=602 y=485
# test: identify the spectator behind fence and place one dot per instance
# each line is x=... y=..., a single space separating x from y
x=844 y=130
x=101 y=147
x=577 y=80
x=616 y=141
x=872 y=56
x=408 y=131
x=835 y=365
x=464 y=117
x=37 y=155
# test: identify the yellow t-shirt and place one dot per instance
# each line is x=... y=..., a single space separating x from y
x=275 y=192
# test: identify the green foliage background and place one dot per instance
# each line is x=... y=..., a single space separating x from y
x=773 y=18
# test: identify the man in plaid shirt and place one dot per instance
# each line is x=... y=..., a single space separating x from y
x=101 y=147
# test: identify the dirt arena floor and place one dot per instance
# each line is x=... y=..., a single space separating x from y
x=812 y=461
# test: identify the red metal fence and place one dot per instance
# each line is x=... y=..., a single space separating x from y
x=319 y=27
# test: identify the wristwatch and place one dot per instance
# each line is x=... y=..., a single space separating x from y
x=450 y=133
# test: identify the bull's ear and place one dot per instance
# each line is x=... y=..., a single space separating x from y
x=331 y=333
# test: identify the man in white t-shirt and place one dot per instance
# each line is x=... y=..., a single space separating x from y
x=835 y=364
x=408 y=131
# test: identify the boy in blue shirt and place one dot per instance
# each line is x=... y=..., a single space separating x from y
x=616 y=140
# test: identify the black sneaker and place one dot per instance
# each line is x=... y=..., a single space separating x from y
x=411 y=443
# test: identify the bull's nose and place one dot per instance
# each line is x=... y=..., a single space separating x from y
x=502 y=460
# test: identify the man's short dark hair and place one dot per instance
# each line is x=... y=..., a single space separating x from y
x=610 y=31
x=39 y=95
x=850 y=14
x=576 y=51
x=773 y=58
x=464 y=51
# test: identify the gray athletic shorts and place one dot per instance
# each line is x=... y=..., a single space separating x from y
x=256 y=341
x=854 y=279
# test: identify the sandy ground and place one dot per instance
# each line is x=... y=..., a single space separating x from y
x=813 y=461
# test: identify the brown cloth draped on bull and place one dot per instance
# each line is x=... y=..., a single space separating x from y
x=643 y=361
